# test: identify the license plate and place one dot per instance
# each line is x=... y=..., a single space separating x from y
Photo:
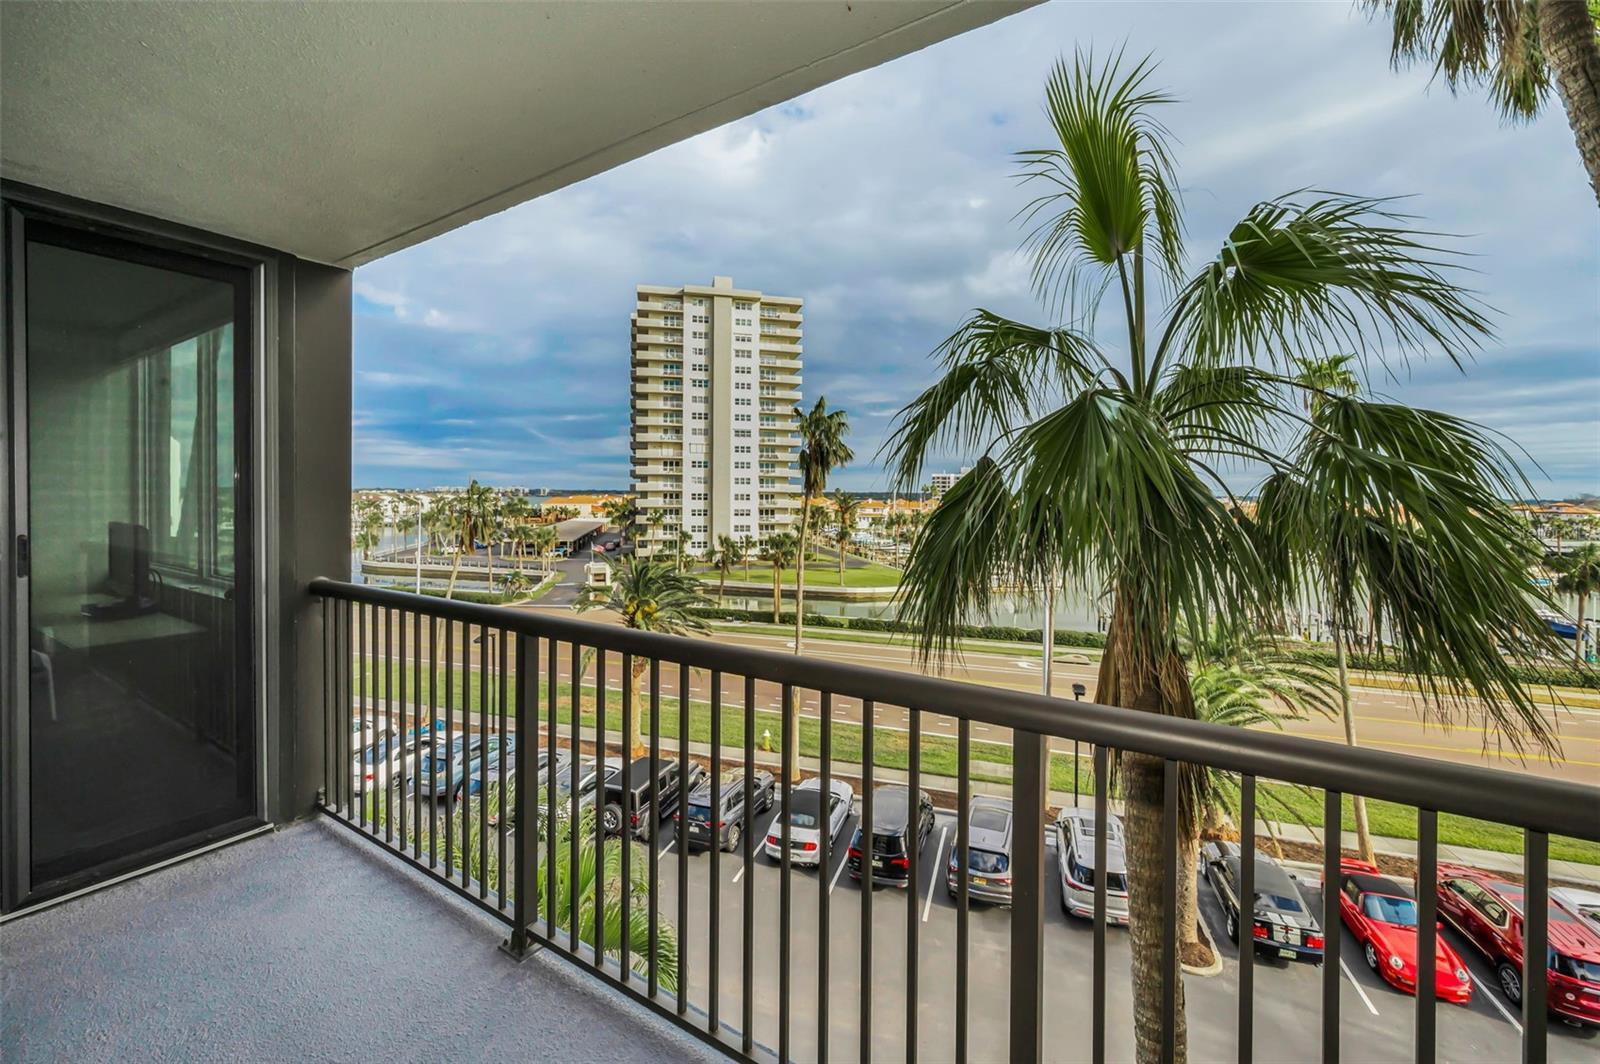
x=980 y=881
x=1289 y=953
x=881 y=863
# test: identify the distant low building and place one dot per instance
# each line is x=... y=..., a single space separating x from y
x=586 y=506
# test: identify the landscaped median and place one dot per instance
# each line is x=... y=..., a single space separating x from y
x=990 y=761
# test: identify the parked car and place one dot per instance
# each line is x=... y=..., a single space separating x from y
x=1075 y=865
x=444 y=764
x=893 y=835
x=726 y=829
x=473 y=781
x=1382 y=915
x=1488 y=913
x=1584 y=904
x=1280 y=919
x=808 y=818
x=626 y=791
x=382 y=764
x=988 y=852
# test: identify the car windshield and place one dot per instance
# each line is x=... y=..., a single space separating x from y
x=1402 y=912
x=987 y=862
x=699 y=810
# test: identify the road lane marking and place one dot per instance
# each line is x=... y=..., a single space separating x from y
x=837 y=874
x=1364 y=999
x=1494 y=999
x=938 y=853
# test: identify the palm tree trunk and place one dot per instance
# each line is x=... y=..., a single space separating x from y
x=1137 y=677
x=841 y=561
x=722 y=584
x=1357 y=802
x=1567 y=38
x=800 y=574
x=776 y=588
x=636 y=747
x=1577 y=637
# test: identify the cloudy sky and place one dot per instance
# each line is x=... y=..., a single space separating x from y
x=885 y=200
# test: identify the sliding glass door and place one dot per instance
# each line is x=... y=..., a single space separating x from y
x=136 y=738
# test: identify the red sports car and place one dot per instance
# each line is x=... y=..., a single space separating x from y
x=1488 y=913
x=1383 y=917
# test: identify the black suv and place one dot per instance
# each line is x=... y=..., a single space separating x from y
x=891 y=830
x=626 y=794
x=730 y=823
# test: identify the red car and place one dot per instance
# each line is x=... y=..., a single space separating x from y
x=1488 y=913
x=1382 y=916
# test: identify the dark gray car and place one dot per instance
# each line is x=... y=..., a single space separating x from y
x=988 y=852
x=730 y=823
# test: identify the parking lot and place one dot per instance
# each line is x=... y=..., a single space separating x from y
x=1376 y=1021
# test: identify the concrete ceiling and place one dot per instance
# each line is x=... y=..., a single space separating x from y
x=342 y=132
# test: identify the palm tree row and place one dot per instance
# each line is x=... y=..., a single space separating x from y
x=1099 y=467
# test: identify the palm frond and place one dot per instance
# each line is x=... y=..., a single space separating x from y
x=1330 y=274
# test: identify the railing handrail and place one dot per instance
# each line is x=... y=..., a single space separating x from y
x=1556 y=807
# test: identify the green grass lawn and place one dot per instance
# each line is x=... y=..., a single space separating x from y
x=891 y=749
x=818 y=574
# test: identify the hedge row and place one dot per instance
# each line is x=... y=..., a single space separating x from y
x=1008 y=633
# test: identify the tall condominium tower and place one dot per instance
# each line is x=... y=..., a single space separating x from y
x=716 y=376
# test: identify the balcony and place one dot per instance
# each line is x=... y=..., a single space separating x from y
x=313 y=927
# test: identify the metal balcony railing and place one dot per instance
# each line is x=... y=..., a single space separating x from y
x=490 y=679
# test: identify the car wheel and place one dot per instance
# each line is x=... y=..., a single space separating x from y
x=1371 y=953
x=766 y=799
x=1510 y=982
x=1233 y=929
x=611 y=818
x=735 y=836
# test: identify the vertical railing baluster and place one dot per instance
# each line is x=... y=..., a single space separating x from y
x=575 y=690
x=434 y=696
x=599 y=823
x=329 y=728
x=963 y=863
x=1030 y=792
x=1170 y=975
x=867 y=856
x=682 y=822
x=1102 y=815
x=409 y=780
x=747 y=913
x=380 y=799
x=824 y=857
x=501 y=814
x=449 y=750
x=913 y=872
x=552 y=669
x=627 y=845
x=1427 y=933
x=652 y=975
x=1246 y=923
x=714 y=892
x=392 y=785
x=359 y=764
x=786 y=767
x=1332 y=849
x=347 y=720
x=485 y=708
x=524 y=872
x=1535 y=945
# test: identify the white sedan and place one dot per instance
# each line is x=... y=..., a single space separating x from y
x=384 y=764
x=805 y=819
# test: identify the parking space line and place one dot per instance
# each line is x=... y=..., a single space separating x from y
x=837 y=874
x=938 y=854
x=1494 y=999
x=739 y=874
x=1359 y=989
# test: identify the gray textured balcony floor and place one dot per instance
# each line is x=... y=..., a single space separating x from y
x=304 y=945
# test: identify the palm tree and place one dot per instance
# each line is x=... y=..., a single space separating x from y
x=822 y=448
x=438 y=522
x=1579 y=575
x=779 y=551
x=747 y=547
x=1514 y=46
x=544 y=540
x=369 y=526
x=1100 y=470
x=728 y=553
x=845 y=511
x=651 y=596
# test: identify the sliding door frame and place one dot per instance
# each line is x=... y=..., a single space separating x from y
x=140 y=239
